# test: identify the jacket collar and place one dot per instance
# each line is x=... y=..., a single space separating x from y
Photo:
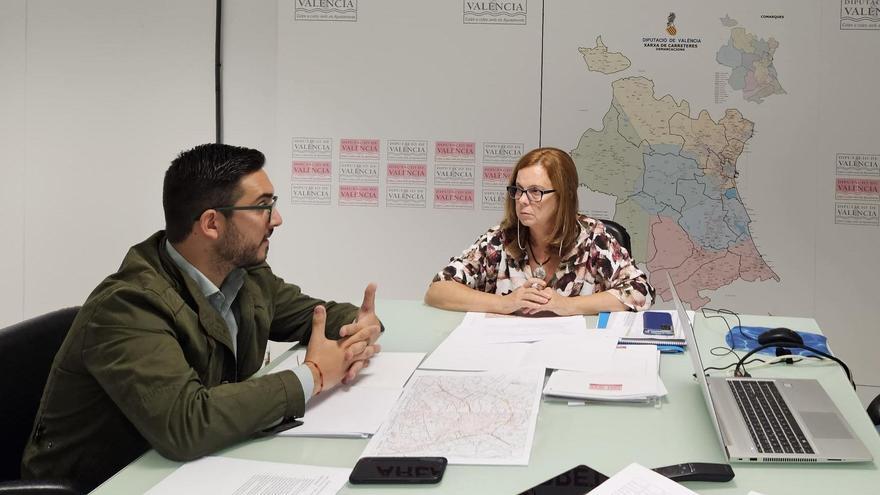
x=188 y=289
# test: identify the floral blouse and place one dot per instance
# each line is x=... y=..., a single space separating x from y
x=596 y=263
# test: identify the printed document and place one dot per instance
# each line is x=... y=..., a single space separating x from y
x=588 y=350
x=499 y=329
x=638 y=480
x=465 y=349
x=354 y=412
x=486 y=342
x=469 y=418
x=228 y=476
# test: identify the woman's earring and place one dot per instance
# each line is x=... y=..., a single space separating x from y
x=562 y=242
x=519 y=238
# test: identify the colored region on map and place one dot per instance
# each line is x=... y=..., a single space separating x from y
x=728 y=21
x=599 y=59
x=674 y=177
x=751 y=61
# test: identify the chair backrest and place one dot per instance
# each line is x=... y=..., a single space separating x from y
x=619 y=233
x=27 y=350
x=874 y=411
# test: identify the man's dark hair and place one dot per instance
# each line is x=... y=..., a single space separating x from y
x=204 y=177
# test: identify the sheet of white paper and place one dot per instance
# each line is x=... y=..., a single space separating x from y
x=346 y=412
x=469 y=418
x=225 y=475
x=291 y=362
x=389 y=370
x=274 y=350
x=499 y=329
x=371 y=395
x=386 y=369
x=638 y=480
x=475 y=356
x=486 y=342
x=589 y=350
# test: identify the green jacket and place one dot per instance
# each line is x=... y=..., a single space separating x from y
x=149 y=363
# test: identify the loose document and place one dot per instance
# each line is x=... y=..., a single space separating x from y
x=467 y=417
x=489 y=342
x=372 y=395
x=225 y=475
x=638 y=480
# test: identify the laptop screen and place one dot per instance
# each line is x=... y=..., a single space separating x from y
x=694 y=352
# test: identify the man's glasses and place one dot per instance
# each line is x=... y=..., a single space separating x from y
x=268 y=207
x=534 y=193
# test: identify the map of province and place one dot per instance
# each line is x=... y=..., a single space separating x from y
x=469 y=418
x=674 y=179
x=751 y=61
x=598 y=59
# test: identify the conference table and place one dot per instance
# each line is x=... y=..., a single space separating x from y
x=604 y=436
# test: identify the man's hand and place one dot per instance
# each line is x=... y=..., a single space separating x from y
x=529 y=298
x=328 y=355
x=359 y=338
x=338 y=361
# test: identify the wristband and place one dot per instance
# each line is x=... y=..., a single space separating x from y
x=320 y=375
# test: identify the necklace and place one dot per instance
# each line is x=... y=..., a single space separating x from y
x=539 y=271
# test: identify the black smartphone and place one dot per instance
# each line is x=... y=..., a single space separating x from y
x=282 y=426
x=398 y=470
x=576 y=481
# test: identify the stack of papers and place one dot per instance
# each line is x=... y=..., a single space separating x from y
x=372 y=395
x=632 y=375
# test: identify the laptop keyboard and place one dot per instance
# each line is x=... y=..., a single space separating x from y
x=771 y=424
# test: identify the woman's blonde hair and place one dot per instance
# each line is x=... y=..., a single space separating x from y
x=563 y=179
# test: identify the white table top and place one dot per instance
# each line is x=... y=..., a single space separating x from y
x=606 y=437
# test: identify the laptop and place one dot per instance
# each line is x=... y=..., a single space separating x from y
x=772 y=419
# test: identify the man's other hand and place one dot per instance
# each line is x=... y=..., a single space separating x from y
x=359 y=338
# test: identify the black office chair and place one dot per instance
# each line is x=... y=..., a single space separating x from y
x=874 y=411
x=619 y=233
x=27 y=350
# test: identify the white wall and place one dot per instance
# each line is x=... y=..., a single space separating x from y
x=110 y=92
x=12 y=191
x=847 y=257
x=98 y=96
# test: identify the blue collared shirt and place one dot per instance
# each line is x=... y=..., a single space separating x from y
x=223 y=300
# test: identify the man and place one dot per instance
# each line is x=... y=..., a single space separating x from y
x=161 y=353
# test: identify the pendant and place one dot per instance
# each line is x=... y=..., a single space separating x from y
x=539 y=272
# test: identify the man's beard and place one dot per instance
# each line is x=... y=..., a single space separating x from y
x=236 y=252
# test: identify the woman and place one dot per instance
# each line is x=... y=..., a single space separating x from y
x=544 y=257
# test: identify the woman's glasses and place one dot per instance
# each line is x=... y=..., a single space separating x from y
x=534 y=193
